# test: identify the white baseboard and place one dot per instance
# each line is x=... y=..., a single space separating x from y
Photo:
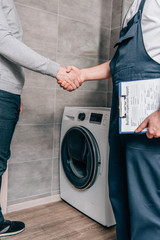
x=33 y=203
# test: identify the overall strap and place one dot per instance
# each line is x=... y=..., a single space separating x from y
x=141 y=6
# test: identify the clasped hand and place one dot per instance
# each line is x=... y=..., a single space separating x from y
x=70 y=78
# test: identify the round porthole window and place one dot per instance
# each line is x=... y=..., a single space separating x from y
x=80 y=157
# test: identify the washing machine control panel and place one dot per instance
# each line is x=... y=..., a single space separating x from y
x=82 y=116
x=101 y=119
x=96 y=118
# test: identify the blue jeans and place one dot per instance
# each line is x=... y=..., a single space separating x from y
x=9 y=116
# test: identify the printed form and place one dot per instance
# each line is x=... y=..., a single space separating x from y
x=137 y=100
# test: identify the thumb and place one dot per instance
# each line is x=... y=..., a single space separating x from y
x=143 y=125
x=68 y=69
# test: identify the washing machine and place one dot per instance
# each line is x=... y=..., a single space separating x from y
x=84 y=162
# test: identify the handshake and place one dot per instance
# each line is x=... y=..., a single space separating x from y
x=70 y=78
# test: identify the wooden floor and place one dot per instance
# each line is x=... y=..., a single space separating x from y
x=58 y=221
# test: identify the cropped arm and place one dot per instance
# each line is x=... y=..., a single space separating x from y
x=98 y=72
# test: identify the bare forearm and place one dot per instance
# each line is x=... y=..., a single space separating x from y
x=98 y=72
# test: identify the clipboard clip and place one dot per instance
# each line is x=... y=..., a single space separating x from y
x=122 y=106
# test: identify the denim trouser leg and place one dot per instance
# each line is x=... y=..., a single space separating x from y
x=9 y=115
x=1 y=215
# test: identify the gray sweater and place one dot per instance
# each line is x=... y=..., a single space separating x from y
x=14 y=54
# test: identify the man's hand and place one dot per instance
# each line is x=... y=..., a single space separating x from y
x=21 y=108
x=68 y=79
x=152 y=122
x=72 y=78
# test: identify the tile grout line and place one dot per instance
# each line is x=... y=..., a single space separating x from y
x=59 y=15
x=55 y=98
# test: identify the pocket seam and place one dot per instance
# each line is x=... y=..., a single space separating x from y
x=123 y=68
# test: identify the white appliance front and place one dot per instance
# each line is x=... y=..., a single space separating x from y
x=84 y=162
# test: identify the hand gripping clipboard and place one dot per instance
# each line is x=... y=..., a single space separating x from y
x=137 y=100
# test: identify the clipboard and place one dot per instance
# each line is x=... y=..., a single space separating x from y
x=137 y=100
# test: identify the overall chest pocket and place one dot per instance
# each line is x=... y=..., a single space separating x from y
x=131 y=33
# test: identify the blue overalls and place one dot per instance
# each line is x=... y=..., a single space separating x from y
x=134 y=164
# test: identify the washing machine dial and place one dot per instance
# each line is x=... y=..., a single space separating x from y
x=81 y=116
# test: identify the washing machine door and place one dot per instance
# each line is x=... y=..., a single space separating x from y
x=80 y=157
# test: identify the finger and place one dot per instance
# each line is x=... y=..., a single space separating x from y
x=150 y=136
x=80 y=82
x=66 y=85
x=74 y=80
x=63 y=83
x=59 y=81
x=154 y=132
x=72 y=84
x=157 y=135
x=150 y=133
x=143 y=125
x=60 y=84
x=77 y=83
x=74 y=87
x=70 y=88
x=71 y=81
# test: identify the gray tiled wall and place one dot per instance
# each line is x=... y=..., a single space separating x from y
x=126 y=5
x=74 y=32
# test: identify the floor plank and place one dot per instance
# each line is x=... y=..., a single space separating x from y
x=58 y=221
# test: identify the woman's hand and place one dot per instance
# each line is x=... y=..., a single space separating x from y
x=152 y=122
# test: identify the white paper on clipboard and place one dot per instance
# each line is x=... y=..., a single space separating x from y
x=137 y=100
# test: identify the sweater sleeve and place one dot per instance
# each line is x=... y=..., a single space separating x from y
x=17 y=52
